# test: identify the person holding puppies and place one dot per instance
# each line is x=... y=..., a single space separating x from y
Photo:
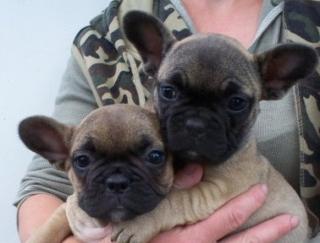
x=108 y=62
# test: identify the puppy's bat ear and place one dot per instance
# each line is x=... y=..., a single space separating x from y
x=149 y=36
x=281 y=67
x=47 y=137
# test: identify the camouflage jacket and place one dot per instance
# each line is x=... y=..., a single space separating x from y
x=111 y=66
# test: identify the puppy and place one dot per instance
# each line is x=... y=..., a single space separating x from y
x=115 y=159
x=207 y=99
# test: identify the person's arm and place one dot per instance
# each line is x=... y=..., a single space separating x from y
x=229 y=218
x=34 y=211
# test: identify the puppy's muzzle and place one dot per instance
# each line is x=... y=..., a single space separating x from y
x=197 y=122
x=195 y=125
x=118 y=183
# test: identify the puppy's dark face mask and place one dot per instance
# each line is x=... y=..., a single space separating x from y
x=209 y=87
x=204 y=125
x=115 y=159
x=123 y=179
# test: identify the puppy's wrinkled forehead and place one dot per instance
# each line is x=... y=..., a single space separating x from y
x=117 y=129
x=209 y=62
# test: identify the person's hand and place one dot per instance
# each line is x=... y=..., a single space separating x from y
x=230 y=217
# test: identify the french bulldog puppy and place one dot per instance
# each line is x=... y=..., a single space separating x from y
x=116 y=162
x=207 y=99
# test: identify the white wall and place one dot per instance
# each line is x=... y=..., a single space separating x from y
x=35 y=40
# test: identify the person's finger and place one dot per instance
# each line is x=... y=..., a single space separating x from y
x=266 y=232
x=228 y=218
x=189 y=176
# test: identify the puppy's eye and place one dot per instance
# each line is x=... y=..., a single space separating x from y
x=156 y=157
x=168 y=92
x=82 y=161
x=237 y=103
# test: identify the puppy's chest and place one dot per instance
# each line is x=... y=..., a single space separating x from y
x=239 y=175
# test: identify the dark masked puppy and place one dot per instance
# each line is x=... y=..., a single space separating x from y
x=115 y=159
x=207 y=99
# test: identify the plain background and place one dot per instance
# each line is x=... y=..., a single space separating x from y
x=35 y=41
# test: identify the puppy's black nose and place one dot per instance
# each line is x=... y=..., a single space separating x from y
x=117 y=183
x=195 y=124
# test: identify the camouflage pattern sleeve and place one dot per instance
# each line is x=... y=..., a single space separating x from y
x=302 y=25
x=110 y=65
x=111 y=71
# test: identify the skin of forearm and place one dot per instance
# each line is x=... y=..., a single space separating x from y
x=34 y=211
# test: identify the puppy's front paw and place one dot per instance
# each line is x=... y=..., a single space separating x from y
x=133 y=231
